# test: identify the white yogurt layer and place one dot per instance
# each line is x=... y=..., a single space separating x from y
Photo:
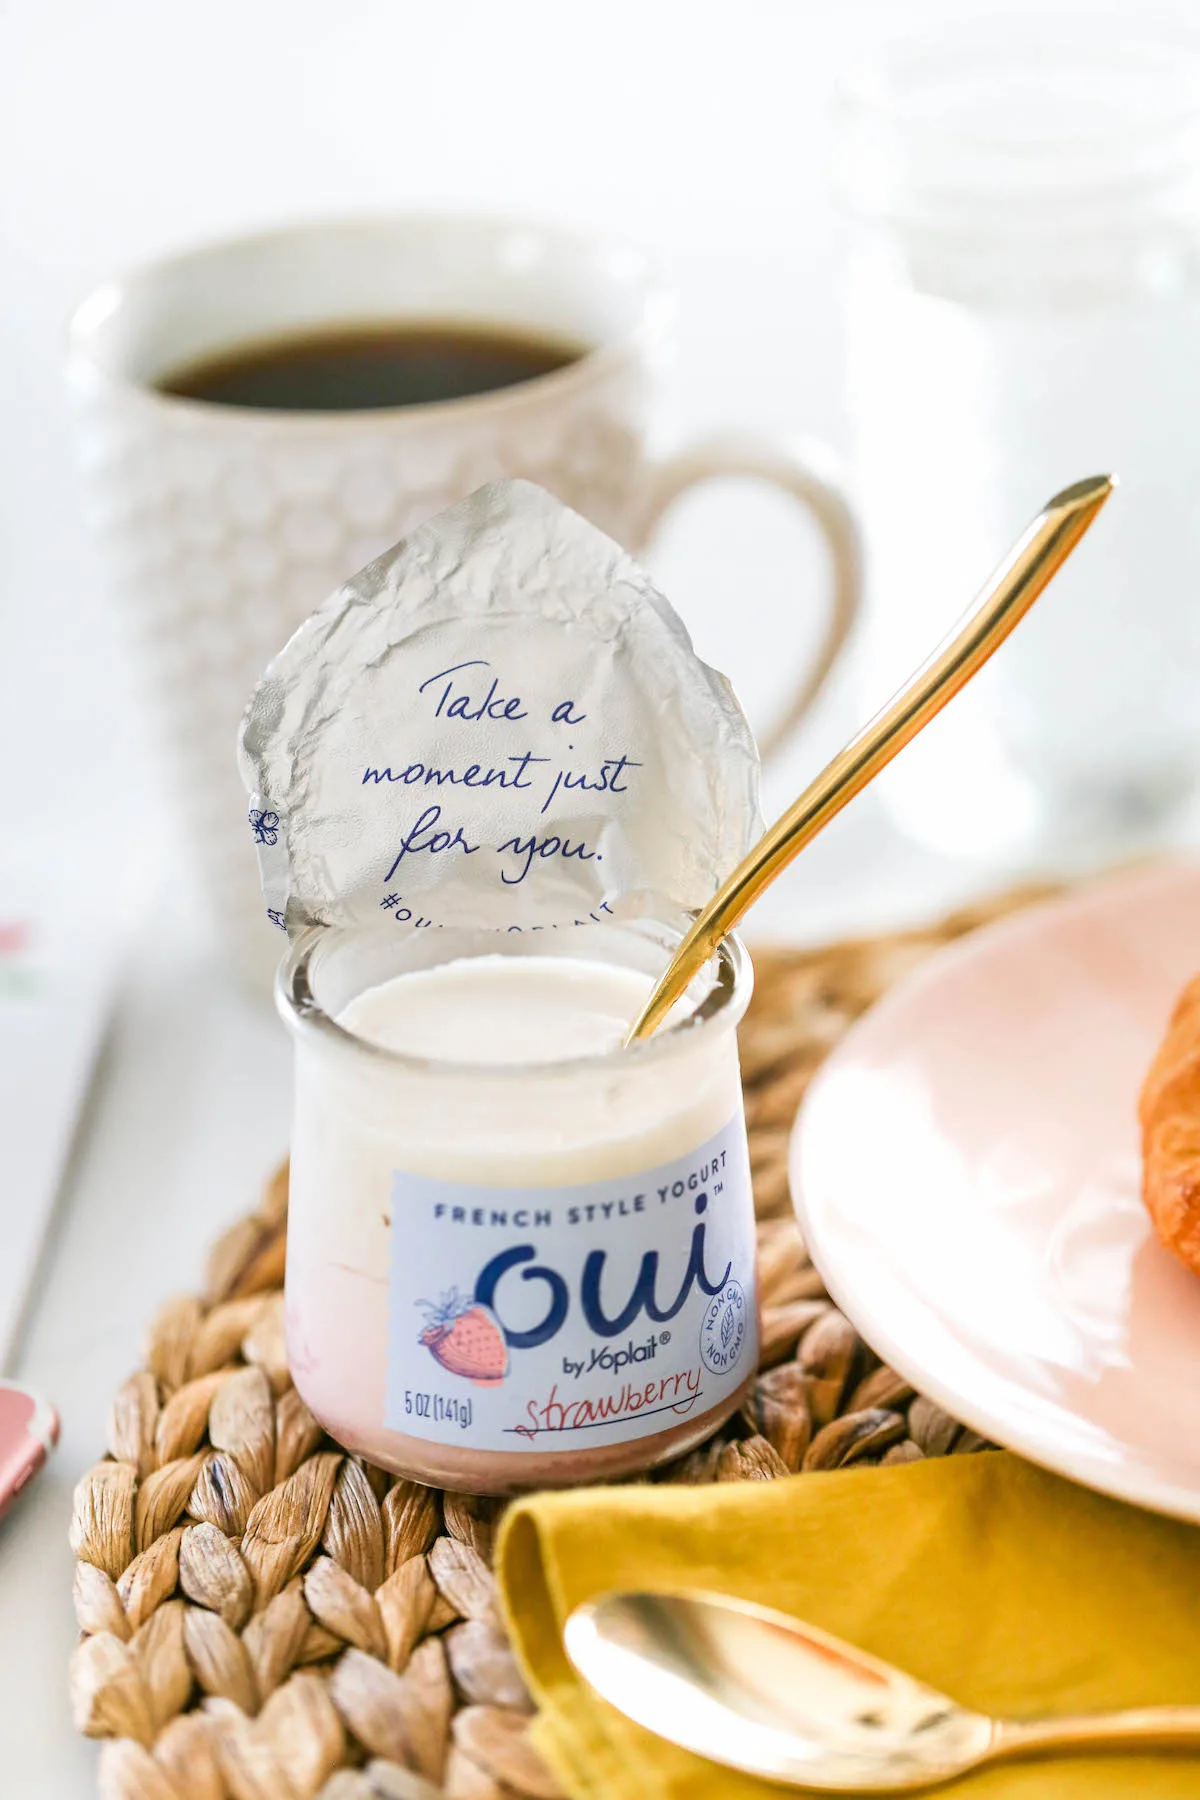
x=501 y=1009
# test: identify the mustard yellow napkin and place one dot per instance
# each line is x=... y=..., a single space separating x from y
x=1004 y=1586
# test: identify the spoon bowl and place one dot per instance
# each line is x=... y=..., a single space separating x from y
x=758 y=1691
x=753 y=1689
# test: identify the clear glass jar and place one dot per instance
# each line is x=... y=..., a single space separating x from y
x=1022 y=309
x=506 y=1276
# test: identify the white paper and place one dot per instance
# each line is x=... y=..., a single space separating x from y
x=57 y=981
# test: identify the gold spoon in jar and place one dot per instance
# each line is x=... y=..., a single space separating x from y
x=755 y=1690
x=1030 y=564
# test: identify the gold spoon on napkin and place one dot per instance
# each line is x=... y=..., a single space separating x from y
x=1003 y=603
x=756 y=1690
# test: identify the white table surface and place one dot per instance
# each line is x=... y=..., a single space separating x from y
x=131 y=127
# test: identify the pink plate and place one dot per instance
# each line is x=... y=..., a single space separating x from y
x=966 y=1174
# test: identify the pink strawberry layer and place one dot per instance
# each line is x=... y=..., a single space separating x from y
x=342 y=1383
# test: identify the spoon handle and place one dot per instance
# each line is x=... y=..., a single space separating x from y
x=1003 y=603
x=1147 y=1727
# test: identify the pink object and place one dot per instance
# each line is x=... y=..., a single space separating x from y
x=14 y=937
x=28 y=1432
x=967 y=1176
x=466 y=1339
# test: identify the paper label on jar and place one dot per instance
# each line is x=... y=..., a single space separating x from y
x=561 y=1318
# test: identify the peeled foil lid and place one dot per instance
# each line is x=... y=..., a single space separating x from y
x=500 y=723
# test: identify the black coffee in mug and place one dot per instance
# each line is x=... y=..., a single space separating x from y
x=356 y=368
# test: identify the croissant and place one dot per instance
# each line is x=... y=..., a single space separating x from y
x=1169 y=1114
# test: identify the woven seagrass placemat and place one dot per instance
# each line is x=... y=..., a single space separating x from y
x=264 y=1617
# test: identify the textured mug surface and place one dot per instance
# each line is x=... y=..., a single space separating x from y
x=221 y=528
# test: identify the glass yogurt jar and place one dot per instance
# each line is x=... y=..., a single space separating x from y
x=519 y=1254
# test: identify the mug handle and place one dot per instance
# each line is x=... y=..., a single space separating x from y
x=807 y=472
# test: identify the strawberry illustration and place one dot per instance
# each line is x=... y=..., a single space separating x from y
x=466 y=1339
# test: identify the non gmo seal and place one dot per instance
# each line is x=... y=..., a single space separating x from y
x=723 y=1329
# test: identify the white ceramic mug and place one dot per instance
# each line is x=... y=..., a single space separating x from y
x=222 y=527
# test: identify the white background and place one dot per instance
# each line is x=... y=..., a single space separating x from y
x=134 y=126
